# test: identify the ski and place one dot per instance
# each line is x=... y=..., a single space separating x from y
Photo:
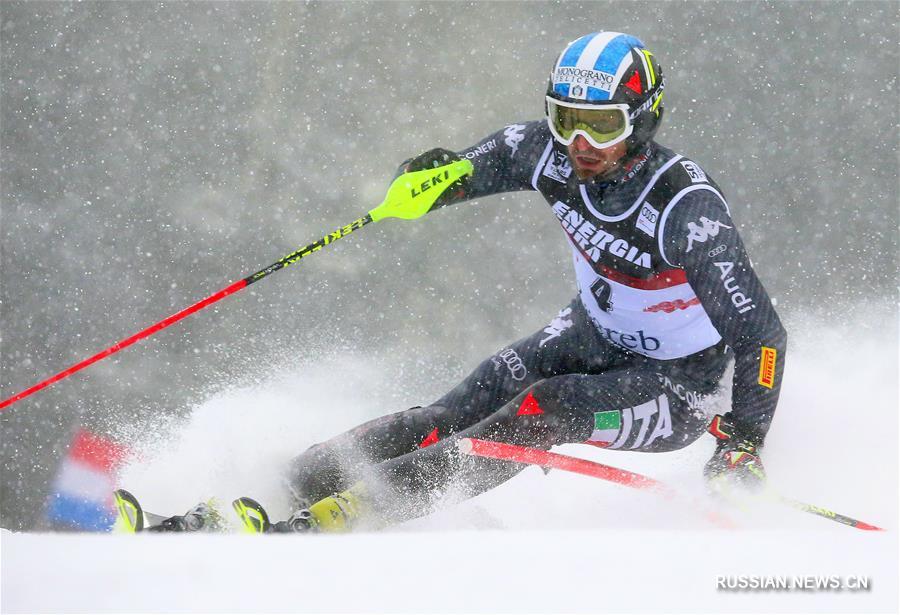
x=253 y=516
x=132 y=518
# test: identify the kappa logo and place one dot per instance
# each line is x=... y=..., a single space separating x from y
x=709 y=228
x=694 y=172
x=558 y=167
x=514 y=136
x=556 y=327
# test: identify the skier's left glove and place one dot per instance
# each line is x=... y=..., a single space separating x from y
x=736 y=462
x=434 y=158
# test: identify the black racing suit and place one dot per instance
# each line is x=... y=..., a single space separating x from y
x=667 y=295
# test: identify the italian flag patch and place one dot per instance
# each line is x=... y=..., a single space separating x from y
x=606 y=426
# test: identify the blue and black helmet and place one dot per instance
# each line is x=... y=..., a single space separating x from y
x=606 y=70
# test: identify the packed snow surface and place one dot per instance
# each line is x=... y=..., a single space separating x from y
x=539 y=543
x=526 y=570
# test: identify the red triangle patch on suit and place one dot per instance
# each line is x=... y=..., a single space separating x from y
x=429 y=439
x=529 y=406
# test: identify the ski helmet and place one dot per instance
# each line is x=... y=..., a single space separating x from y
x=608 y=87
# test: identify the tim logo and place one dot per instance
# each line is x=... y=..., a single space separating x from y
x=694 y=172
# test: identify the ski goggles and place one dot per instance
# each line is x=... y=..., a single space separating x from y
x=601 y=125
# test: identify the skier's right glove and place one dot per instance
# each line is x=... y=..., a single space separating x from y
x=736 y=462
x=434 y=158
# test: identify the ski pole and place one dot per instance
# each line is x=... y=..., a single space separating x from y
x=410 y=196
x=827 y=514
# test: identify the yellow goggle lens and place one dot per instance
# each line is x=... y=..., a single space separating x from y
x=602 y=124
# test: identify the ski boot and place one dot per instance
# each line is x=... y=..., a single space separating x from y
x=336 y=513
x=256 y=519
x=300 y=521
x=201 y=518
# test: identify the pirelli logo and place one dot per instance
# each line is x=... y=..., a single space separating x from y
x=767 y=367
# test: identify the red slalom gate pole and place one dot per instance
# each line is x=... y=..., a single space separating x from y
x=546 y=459
x=232 y=288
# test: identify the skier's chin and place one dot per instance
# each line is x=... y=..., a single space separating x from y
x=592 y=164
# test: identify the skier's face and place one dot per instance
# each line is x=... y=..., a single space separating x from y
x=590 y=162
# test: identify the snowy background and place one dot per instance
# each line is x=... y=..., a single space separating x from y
x=151 y=153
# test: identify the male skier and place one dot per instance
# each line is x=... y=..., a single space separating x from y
x=666 y=298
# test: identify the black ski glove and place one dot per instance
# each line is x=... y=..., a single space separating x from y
x=434 y=158
x=736 y=462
